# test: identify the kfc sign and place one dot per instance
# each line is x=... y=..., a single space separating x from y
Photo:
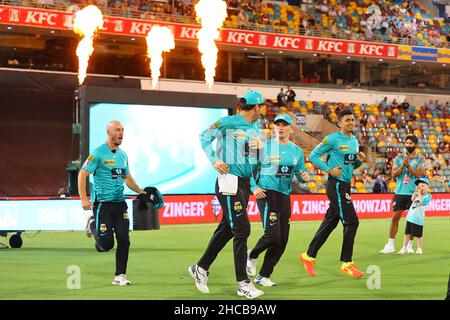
x=140 y=28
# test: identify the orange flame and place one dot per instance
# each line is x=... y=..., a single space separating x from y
x=86 y=23
x=159 y=39
x=211 y=14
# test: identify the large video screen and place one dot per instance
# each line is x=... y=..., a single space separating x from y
x=162 y=144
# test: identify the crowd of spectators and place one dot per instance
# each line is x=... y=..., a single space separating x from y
x=398 y=21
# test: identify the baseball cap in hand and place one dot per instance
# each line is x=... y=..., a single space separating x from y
x=153 y=196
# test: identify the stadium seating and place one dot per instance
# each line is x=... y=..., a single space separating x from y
x=384 y=130
x=406 y=21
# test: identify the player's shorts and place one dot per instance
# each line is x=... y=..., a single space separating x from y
x=413 y=229
x=401 y=202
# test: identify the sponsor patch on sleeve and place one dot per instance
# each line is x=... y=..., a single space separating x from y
x=215 y=125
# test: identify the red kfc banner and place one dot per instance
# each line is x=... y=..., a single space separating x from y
x=140 y=28
x=206 y=208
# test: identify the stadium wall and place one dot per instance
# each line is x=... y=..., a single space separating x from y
x=303 y=93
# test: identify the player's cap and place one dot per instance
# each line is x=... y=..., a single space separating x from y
x=253 y=97
x=424 y=180
x=283 y=117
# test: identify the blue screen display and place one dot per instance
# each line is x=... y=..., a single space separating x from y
x=162 y=144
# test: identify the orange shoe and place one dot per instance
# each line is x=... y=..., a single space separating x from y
x=308 y=262
x=350 y=269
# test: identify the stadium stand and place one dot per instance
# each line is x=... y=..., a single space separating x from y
x=398 y=21
x=382 y=128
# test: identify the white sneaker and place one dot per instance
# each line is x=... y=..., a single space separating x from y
x=409 y=250
x=251 y=265
x=201 y=279
x=121 y=280
x=419 y=251
x=248 y=290
x=388 y=249
x=402 y=250
x=265 y=282
x=88 y=227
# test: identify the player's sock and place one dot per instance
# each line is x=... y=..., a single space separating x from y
x=410 y=244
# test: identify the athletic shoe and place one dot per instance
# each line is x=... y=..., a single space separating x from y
x=409 y=250
x=263 y=281
x=201 y=279
x=419 y=251
x=251 y=265
x=308 y=262
x=88 y=227
x=388 y=249
x=350 y=269
x=121 y=280
x=248 y=290
x=402 y=250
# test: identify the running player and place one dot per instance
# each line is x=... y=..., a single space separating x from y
x=282 y=160
x=109 y=165
x=235 y=159
x=343 y=157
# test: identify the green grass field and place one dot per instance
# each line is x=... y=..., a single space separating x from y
x=159 y=260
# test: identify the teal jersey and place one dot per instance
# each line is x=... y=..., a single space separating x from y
x=279 y=164
x=341 y=151
x=233 y=133
x=406 y=181
x=416 y=213
x=109 y=170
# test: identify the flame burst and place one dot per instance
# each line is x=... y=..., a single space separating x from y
x=211 y=14
x=159 y=40
x=86 y=23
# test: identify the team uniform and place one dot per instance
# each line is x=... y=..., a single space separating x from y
x=279 y=164
x=109 y=207
x=406 y=181
x=416 y=216
x=233 y=134
x=341 y=150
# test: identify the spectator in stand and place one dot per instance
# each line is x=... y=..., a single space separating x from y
x=380 y=185
x=384 y=104
x=281 y=98
x=404 y=106
x=290 y=97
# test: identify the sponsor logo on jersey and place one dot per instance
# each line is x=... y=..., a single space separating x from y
x=89 y=160
x=274 y=158
x=237 y=206
x=344 y=148
x=240 y=134
x=103 y=227
x=215 y=125
x=125 y=215
x=109 y=162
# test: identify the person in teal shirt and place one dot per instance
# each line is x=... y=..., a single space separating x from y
x=282 y=160
x=407 y=168
x=343 y=156
x=109 y=166
x=235 y=157
x=416 y=217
